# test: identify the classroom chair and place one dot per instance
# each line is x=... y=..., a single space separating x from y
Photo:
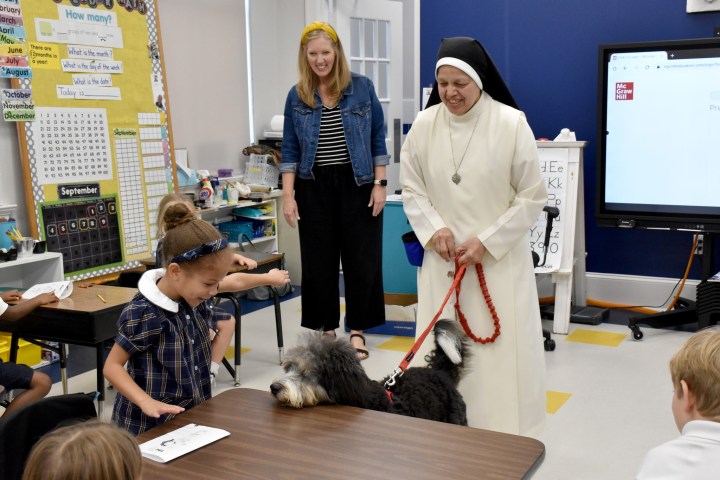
x=551 y=213
x=21 y=429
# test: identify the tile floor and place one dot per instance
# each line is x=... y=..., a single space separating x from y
x=608 y=395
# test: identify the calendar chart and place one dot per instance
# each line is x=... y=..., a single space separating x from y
x=131 y=192
x=86 y=232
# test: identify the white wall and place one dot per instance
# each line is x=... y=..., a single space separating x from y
x=276 y=27
x=11 y=183
x=205 y=64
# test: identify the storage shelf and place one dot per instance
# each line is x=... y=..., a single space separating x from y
x=264 y=243
x=261 y=239
x=261 y=217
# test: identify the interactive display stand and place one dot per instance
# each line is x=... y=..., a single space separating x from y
x=704 y=311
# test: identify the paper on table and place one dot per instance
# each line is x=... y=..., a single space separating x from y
x=62 y=289
x=180 y=441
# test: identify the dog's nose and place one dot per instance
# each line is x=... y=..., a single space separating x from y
x=275 y=388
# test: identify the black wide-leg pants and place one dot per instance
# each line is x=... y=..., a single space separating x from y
x=337 y=225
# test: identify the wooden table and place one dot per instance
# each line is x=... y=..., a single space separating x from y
x=81 y=319
x=265 y=263
x=336 y=442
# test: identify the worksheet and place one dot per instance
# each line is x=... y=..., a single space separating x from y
x=179 y=442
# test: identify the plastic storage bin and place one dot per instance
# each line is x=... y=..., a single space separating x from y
x=27 y=354
x=235 y=229
x=261 y=170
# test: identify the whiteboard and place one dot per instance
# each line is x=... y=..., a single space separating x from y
x=554 y=169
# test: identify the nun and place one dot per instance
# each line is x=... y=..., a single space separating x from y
x=471 y=189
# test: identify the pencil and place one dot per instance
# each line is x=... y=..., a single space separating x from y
x=101 y=298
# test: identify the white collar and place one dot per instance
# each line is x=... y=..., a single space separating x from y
x=148 y=287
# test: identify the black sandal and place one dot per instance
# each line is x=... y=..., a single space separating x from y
x=361 y=351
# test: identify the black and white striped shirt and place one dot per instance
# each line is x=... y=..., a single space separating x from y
x=332 y=147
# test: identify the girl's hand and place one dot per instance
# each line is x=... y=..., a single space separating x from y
x=278 y=278
x=154 y=408
x=248 y=262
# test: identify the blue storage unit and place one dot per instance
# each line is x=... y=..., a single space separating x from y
x=398 y=275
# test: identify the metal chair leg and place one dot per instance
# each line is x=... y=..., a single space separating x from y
x=278 y=322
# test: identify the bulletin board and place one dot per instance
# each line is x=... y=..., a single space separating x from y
x=90 y=102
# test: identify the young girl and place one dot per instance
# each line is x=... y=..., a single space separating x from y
x=222 y=325
x=92 y=449
x=163 y=332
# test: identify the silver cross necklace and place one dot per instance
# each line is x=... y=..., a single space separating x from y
x=456 y=176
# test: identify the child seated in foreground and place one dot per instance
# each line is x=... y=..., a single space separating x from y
x=695 y=373
x=222 y=325
x=92 y=449
x=16 y=376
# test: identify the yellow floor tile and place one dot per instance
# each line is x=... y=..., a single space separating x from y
x=555 y=400
x=398 y=344
x=230 y=352
x=594 y=337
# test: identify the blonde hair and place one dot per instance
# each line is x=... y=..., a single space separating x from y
x=85 y=451
x=698 y=363
x=167 y=200
x=184 y=232
x=339 y=76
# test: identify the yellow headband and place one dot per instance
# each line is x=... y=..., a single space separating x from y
x=319 y=26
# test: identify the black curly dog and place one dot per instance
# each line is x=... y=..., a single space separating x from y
x=323 y=369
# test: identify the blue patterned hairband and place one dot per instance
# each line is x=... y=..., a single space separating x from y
x=202 y=250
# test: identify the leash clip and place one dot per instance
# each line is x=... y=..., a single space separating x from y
x=390 y=382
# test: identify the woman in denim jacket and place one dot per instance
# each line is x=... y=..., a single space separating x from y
x=333 y=174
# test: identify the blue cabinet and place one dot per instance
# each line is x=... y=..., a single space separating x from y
x=398 y=275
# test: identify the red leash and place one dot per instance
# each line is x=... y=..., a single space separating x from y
x=455 y=287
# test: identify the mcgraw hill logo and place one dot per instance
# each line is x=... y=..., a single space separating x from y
x=624 y=91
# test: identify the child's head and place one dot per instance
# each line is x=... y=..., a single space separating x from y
x=195 y=255
x=93 y=449
x=695 y=373
x=167 y=200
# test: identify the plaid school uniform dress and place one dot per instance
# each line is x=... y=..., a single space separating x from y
x=169 y=349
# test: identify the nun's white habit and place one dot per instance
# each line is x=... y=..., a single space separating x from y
x=499 y=197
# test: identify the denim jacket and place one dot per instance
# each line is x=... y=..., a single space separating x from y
x=362 y=118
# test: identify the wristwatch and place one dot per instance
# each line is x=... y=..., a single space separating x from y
x=382 y=183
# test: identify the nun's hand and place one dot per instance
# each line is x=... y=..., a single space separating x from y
x=470 y=251
x=443 y=242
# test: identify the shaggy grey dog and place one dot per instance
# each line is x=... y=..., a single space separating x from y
x=323 y=369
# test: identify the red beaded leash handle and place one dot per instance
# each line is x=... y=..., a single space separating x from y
x=488 y=301
x=459 y=274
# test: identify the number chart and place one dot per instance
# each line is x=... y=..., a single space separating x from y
x=71 y=144
x=86 y=232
